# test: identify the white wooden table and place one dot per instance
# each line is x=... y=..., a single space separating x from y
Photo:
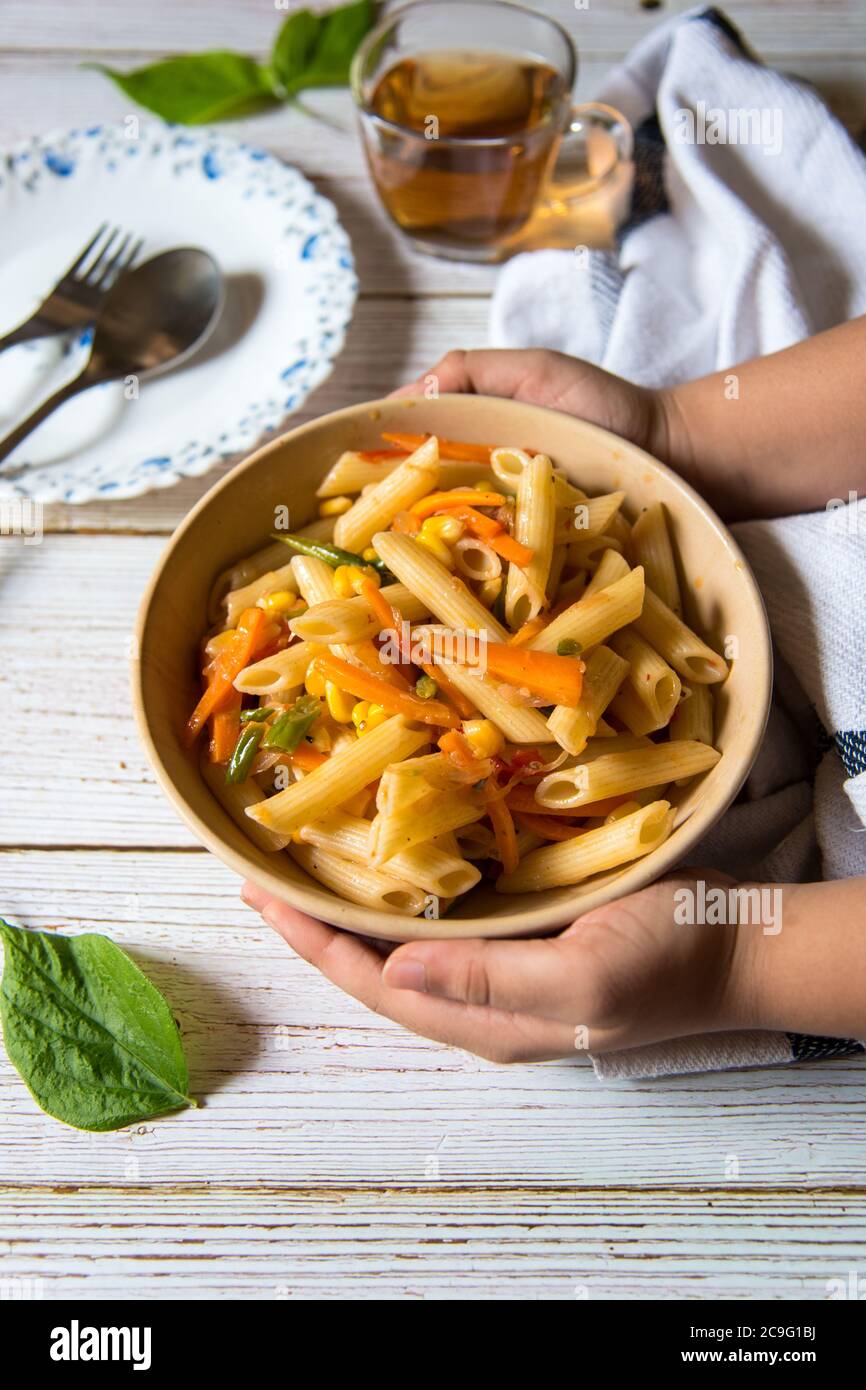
x=336 y=1156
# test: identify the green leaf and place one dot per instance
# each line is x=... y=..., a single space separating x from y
x=316 y=50
x=196 y=88
x=93 y=1040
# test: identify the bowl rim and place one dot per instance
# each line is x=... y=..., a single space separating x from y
x=533 y=921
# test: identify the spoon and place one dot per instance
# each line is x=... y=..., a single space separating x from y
x=153 y=317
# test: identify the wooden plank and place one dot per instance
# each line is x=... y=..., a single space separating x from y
x=434 y=1243
x=249 y=26
x=409 y=336
x=302 y=1085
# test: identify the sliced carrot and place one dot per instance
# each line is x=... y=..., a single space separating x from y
x=548 y=826
x=457 y=747
x=252 y=630
x=559 y=678
x=523 y=799
x=458 y=497
x=385 y=614
x=510 y=549
x=369 y=687
x=368 y=654
x=526 y=633
x=503 y=829
x=306 y=758
x=406 y=523
x=448 y=448
x=377 y=455
x=225 y=725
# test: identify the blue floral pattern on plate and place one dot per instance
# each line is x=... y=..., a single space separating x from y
x=278 y=216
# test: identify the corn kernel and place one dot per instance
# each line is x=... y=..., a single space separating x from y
x=335 y=506
x=340 y=703
x=483 y=737
x=359 y=713
x=349 y=578
x=218 y=642
x=436 y=546
x=315 y=683
x=444 y=528
x=370 y=554
x=376 y=715
x=279 y=602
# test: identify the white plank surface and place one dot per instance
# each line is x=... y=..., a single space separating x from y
x=302 y=1085
x=336 y=1156
x=433 y=1243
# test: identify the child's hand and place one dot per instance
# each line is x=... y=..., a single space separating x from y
x=552 y=379
x=620 y=976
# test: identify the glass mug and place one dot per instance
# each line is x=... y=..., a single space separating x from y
x=464 y=106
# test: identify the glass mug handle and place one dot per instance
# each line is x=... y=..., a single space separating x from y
x=598 y=141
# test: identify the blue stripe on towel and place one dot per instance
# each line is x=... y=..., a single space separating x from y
x=852 y=750
x=807 y=1049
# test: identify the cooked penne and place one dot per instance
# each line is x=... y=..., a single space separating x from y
x=462 y=685
x=412 y=479
x=358 y=882
x=602 y=677
x=651 y=547
x=345 y=773
x=612 y=774
x=236 y=600
x=589 y=519
x=534 y=523
x=592 y=620
x=282 y=671
x=519 y=723
x=428 y=865
x=608 y=847
x=676 y=642
x=654 y=684
x=445 y=594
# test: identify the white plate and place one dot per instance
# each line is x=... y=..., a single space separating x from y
x=290 y=285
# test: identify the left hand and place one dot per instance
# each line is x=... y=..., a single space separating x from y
x=620 y=976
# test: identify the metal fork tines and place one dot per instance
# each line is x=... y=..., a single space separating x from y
x=77 y=297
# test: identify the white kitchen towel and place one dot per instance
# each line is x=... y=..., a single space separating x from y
x=737 y=247
x=732 y=250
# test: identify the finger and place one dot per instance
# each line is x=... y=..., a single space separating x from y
x=486 y=371
x=254 y=896
x=548 y=979
x=355 y=966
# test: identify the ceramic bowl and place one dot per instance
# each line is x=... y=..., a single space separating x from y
x=722 y=602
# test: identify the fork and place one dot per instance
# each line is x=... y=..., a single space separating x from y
x=77 y=297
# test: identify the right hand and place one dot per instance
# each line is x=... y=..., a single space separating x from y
x=552 y=379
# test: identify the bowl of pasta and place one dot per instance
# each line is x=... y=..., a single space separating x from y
x=452 y=667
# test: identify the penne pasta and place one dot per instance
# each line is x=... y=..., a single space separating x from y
x=412 y=479
x=487 y=708
x=676 y=642
x=592 y=620
x=342 y=776
x=608 y=847
x=358 y=882
x=603 y=675
x=650 y=546
x=612 y=774
x=445 y=594
x=650 y=681
x=534 y=524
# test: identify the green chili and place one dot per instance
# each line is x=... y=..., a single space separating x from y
x=331 y=554
x=294 y=724
x=568 y=647
x=241 y=759
x=256 y=716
